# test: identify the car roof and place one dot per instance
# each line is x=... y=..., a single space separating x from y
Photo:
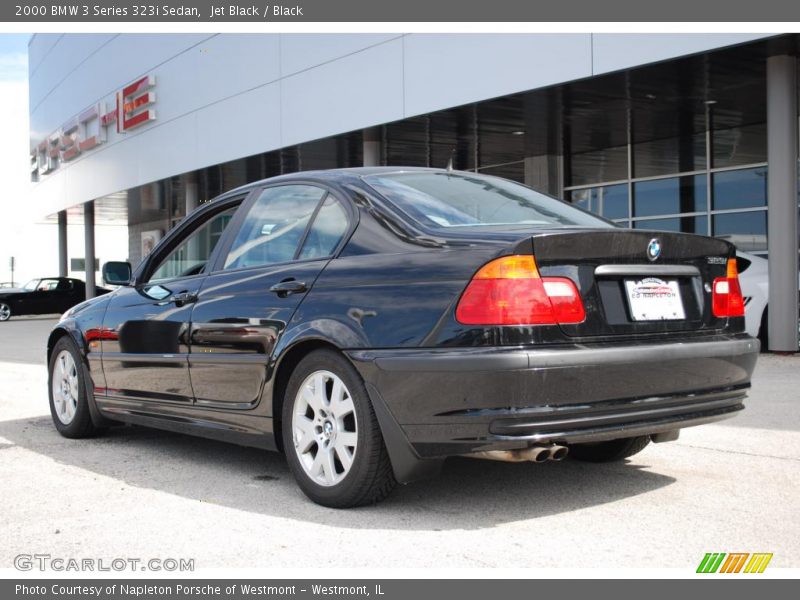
x=335 y=175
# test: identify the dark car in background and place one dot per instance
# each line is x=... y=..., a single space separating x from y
x=43 y=296
x=371 y=322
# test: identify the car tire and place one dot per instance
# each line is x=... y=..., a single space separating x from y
x=611 y=451
x=5 y=312
x=331 y=436
x=763 y=330
x=69 y=392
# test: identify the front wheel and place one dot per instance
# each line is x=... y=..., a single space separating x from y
x=331 y=435
x=69 y=401
x=611 y=451
x=5 y=311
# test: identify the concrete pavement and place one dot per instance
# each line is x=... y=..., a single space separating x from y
x=136 y=492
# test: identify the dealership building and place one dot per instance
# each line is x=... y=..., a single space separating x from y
x=680 y=132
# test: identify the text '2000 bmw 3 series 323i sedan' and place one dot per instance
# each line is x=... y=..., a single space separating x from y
x=370 y=322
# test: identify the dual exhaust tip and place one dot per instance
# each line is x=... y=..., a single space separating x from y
x=537 y=454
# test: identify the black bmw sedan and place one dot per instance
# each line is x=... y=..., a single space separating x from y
x=43 y=296
x=370 y=322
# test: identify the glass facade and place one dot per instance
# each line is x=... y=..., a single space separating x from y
x=710 y=182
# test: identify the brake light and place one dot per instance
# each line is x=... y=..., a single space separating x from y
x=726 y=297
x=510 y=291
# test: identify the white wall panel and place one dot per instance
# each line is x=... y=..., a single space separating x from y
x=448 y=70
x=303 y=51
x=247 y=124
x=615 y=51
x=38 y=46
x=67 y=54
x=356 y=91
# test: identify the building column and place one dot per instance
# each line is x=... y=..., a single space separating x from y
x=544 y=173
x=782 y=201
x=88 y=231
x=63 y=268
x=372 y=147
x=191 y=194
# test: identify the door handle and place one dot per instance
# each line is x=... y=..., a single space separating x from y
x=287 y=287
x=183 y=298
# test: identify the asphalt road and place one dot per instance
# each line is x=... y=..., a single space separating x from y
x=141 y=493
x=24 y=339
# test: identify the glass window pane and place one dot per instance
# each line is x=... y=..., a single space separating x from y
x=611 y=201
x=190 y=257
x=440 y=199
x=739 y=145
x=273 y=228
x=583 y=198
x=748 y=230
x=609 y=164
x=326 y=232
x=671 y=155
x=670 y=196
x=698 y=225
x=740 y=189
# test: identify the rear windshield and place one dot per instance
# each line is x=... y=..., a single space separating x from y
x=439 y=199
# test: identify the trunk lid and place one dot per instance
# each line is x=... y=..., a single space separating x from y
x=636 y=282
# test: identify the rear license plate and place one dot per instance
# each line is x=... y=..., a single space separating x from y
x=653 y=299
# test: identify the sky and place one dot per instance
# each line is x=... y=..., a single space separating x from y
x=14 y=57
x=15 y=218
x=23 y=234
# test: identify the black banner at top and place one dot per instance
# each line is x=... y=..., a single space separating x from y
x=198 y=11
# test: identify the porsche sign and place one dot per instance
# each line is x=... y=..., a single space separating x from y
x=89 y=129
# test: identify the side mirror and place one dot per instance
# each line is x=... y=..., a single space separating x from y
x=117 y=273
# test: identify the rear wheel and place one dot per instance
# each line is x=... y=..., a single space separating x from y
x=331 y=436
x=611 y=451
x=5 y=311
x=69 y=402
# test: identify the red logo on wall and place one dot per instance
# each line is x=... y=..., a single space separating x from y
x=89 y=129
x=133 y=102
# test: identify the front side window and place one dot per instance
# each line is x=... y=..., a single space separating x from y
x=274 y=227
x=192 y=254
x=447 y=200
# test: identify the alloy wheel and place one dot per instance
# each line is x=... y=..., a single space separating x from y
x=324 y=428
x=5 y=312
x=65 y=387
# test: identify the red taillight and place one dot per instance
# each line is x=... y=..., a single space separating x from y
x=509 y=291
x=726 y=295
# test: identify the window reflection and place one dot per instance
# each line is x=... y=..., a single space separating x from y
x=610 y=201
x=671 y=155
x=743 y=188
x=670 y=196
x=739 y=146
x=609 y=164
x=698 y=224
x=748 y=230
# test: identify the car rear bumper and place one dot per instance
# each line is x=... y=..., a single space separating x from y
x=460 y=400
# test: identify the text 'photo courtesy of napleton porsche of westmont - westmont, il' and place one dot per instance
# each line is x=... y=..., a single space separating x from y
x=399 y=311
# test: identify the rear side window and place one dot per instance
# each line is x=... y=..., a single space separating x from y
x=274 y=227
x=327 y=231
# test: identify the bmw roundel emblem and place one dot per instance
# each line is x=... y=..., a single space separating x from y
x=654 y=249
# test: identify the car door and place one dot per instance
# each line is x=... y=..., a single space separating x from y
x=146 y=326
x=288 y=234
x=42 y=299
